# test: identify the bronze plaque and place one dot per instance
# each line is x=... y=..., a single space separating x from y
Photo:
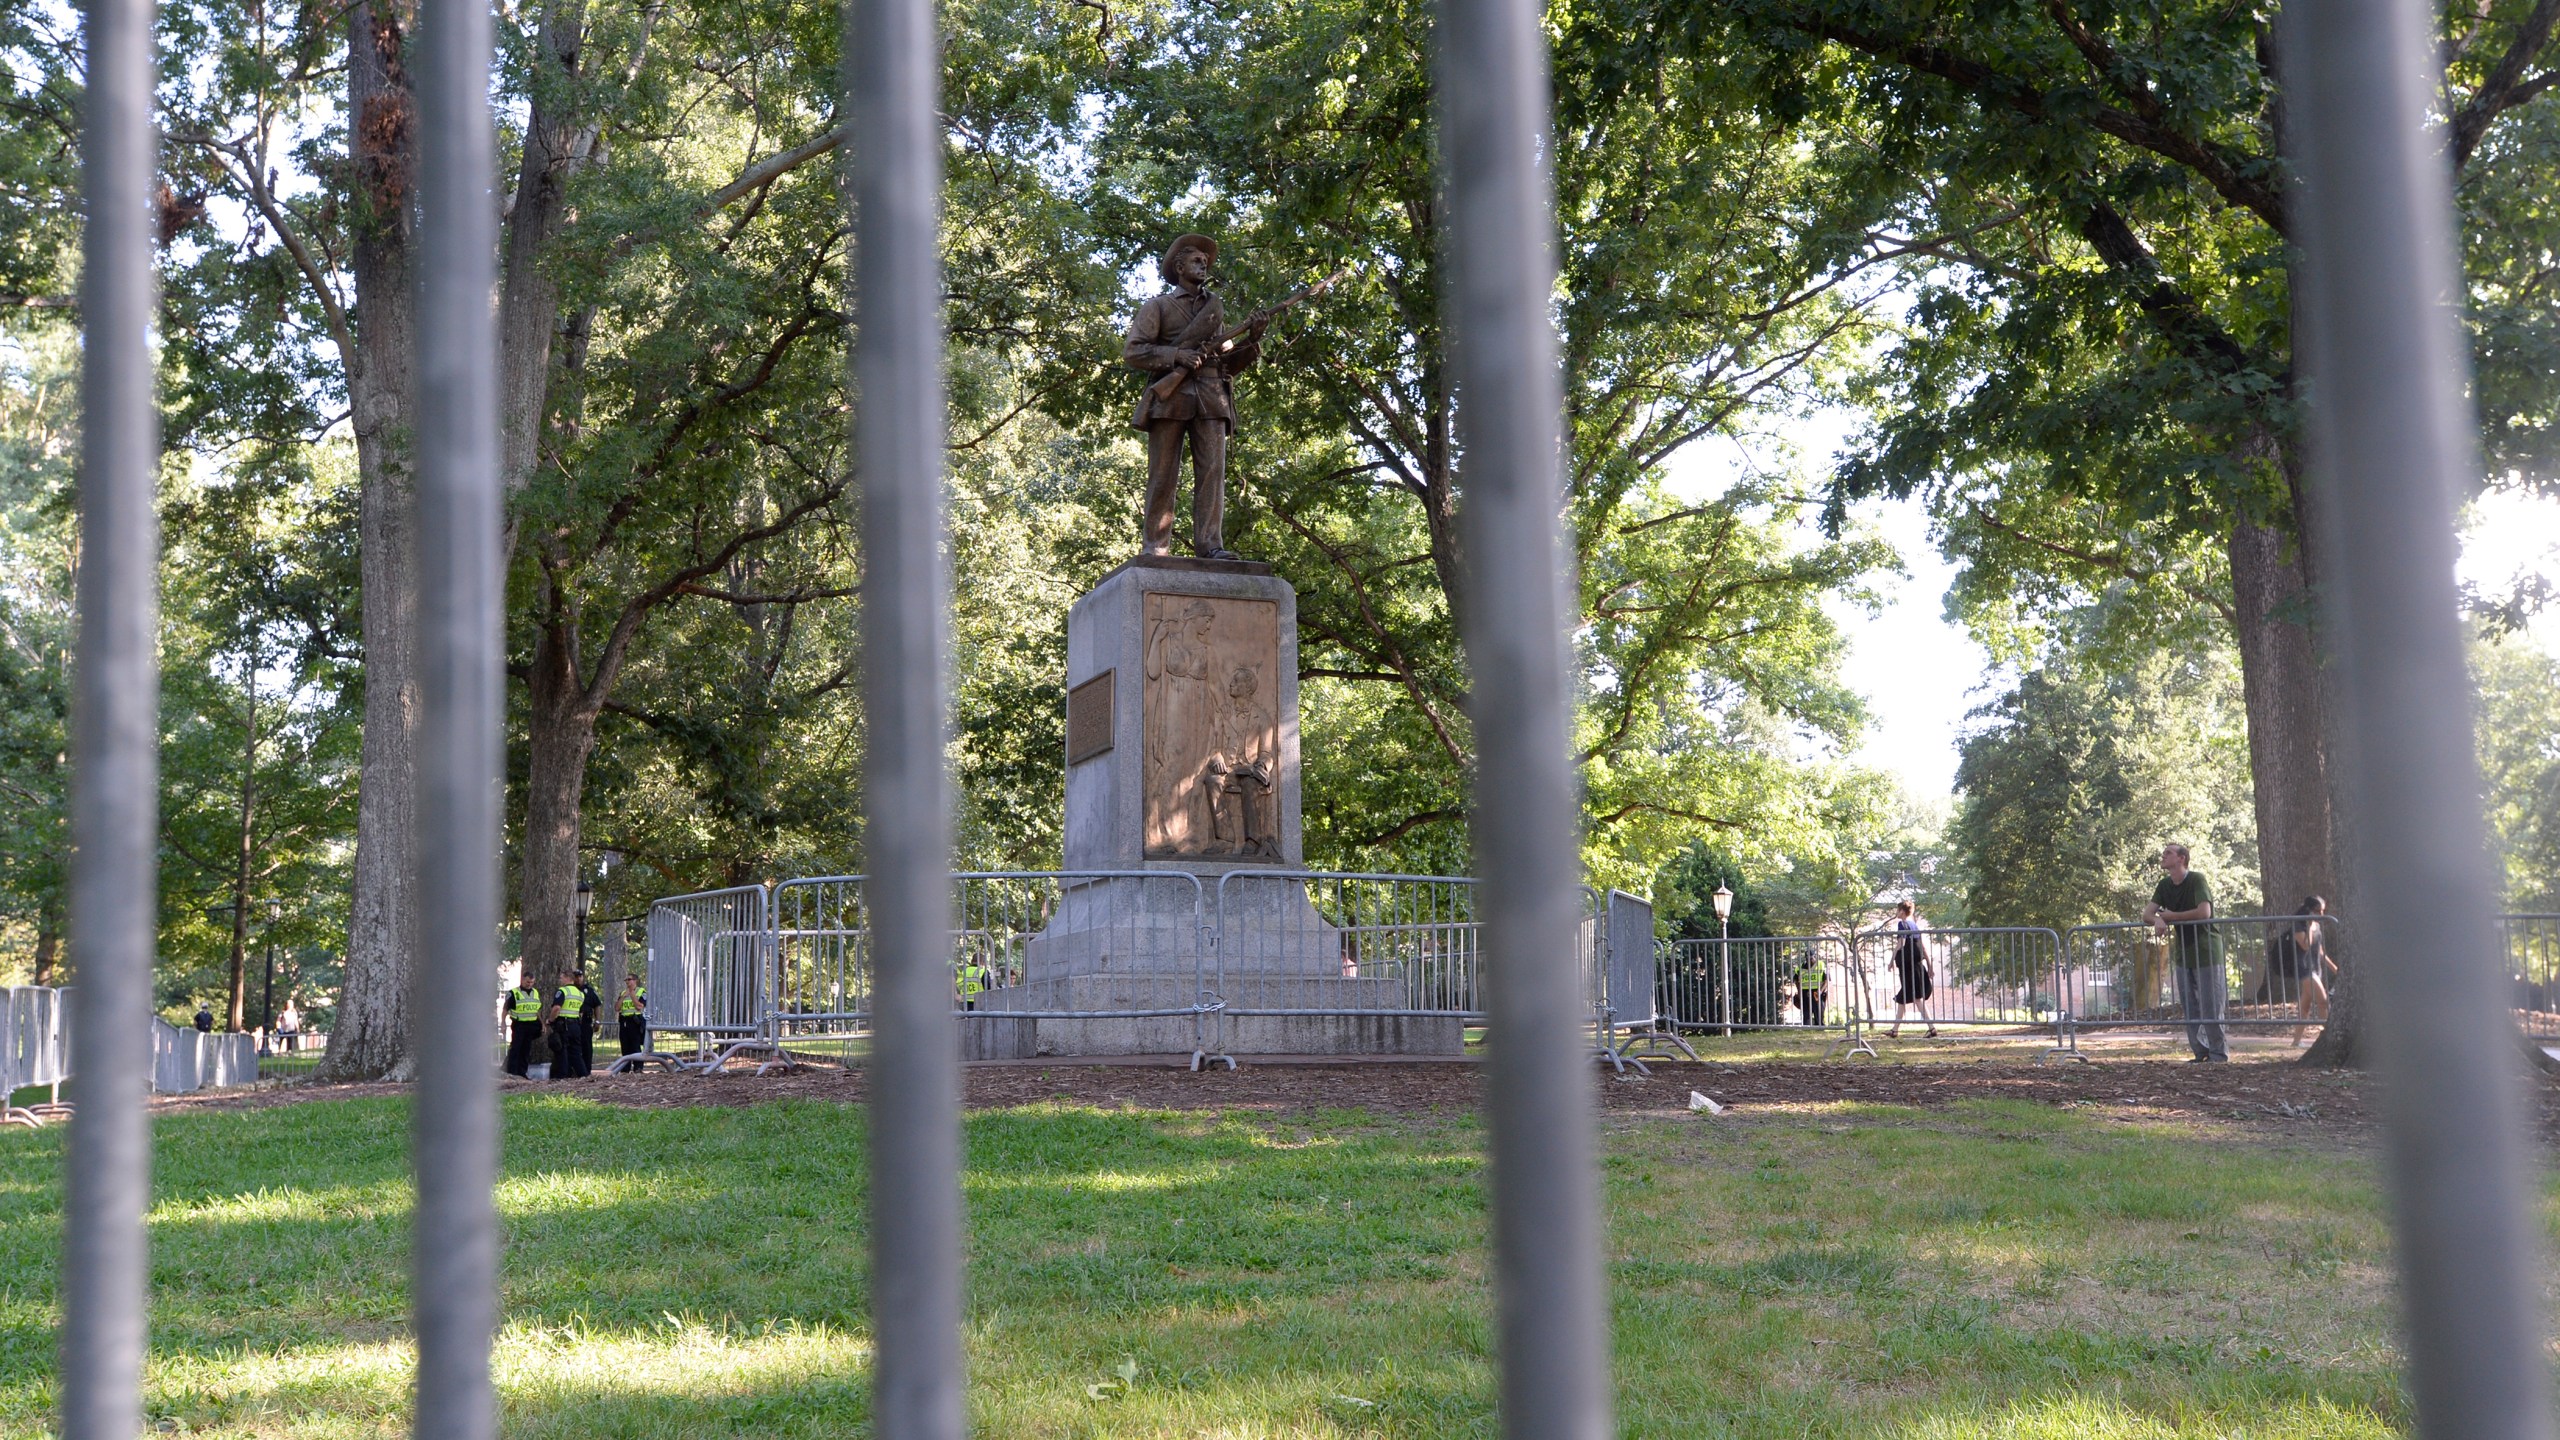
x=1089 y=719
x=1211 y=712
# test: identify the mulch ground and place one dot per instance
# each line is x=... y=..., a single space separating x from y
x=2283 y=1097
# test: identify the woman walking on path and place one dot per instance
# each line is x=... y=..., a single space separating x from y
x=1911 y=967
x=2300 y=954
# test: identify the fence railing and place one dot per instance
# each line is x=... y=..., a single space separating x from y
x=2532 y=945
x=1127 y=962
x=710 y=976
x=1155 y=962
x=185 y=1060
x=35 y=1050
x=2391 y=439
x=36 y=1053
x=2247 y=972
x=1756 y=982
x=1977 y=978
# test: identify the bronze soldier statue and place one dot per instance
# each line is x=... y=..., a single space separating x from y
x=1179 y=330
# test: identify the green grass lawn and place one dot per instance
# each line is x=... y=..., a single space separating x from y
x=1997 y=1270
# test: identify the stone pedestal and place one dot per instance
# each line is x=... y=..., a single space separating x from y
x=1182 y=718
x=1182 y=760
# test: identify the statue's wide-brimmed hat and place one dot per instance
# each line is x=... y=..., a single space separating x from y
x=1172 y=252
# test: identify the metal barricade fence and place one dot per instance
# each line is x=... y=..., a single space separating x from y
x=753 y=968
x=1059 y=948
x=185 y=1060
x=1754 y=983
x=1123 y=950
x=1983 y=978
x=1269 y=948
x=2130 y=975
x=35 y=1050
x=2532 y=944
x=709 y=970
x=1630 y=1001
x=822 y=976
x=1306 y=944
x=1111 y=962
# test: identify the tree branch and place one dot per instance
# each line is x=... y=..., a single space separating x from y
x=750 y=180
x=2505 y=87
x=789 y=597
x=2236 y=176
x=234 y=157
x=1639 y=806
x=1411 y=823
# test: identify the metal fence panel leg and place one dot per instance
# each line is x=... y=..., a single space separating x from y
x=1553 y=1313
x=454 y=1124
x=115 y=732
x=2391 y=447
x=893 y=58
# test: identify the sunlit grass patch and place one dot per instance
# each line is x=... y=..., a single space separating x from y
x=1994 y=1269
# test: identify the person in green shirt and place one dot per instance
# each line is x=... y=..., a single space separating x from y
x=2180 y=906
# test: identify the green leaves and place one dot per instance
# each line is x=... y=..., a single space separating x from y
x=1301 y=136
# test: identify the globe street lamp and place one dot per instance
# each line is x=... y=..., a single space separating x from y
x=1724 y=953
x=586 y=907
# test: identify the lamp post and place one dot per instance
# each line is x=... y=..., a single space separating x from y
x=586 y=907
x=1724 y=954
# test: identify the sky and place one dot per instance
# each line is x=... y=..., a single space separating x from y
x=1920 y=673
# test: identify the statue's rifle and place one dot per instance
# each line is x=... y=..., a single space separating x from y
x=1173 y=379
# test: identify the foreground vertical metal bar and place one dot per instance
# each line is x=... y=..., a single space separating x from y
x=115 y=761
x=2391 y=446
x=1553 y=1345
x=893 y=61
x=454 y=1129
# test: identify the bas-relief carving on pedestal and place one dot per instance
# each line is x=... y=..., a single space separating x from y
x=1212 y=736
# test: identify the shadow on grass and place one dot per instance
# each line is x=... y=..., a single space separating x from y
x=695 y=1272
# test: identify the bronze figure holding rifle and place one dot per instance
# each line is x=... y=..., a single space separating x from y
x=1181 y=338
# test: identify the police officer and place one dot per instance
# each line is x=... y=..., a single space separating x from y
x=524 y=1022
x=1810 y=980
x=569 y=1012
x=635 y=1015
x=594 y=1015
x=972 y=978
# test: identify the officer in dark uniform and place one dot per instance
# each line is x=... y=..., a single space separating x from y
x=524 y=1022
x=594 y=1016
x=1812 y=978
x=569 y=1012
x=635 y=1015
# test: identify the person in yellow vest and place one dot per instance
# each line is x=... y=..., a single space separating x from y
x=635 y=1015
x=1810 y=981
x=570 y=1009
x=524 y=1022
x=972 y=978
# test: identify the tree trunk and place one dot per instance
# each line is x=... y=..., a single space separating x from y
x=2288 y=760
x=555 y=144
x=2341 y=1042
x=48 y=943
x=561 y=734
x=559 y=139
x=244 y=858
x=369 y=1038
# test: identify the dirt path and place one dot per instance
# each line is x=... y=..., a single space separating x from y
x=2277 y=1096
